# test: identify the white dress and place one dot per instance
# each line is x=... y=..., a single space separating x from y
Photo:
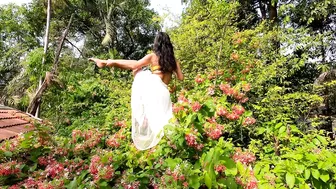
x=151 y=109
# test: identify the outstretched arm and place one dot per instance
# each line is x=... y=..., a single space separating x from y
x=124 y=64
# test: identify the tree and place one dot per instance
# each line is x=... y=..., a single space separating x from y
x=46 y=43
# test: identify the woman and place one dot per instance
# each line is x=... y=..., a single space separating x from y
x=150 y=101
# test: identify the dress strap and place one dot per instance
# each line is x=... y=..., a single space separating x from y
x=155 y=68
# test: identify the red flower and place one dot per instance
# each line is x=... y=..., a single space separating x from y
x=198 y=79
x=121 y=123
x=238 y=96
x=232 y=116
x=221 y=111
x=234 y=56
x=196 y=106
x=244 y=157
x=246 y=70
x=249 y=121
x=220 y=168
x=182 y=99
x=238 y=109
x=211 y=120
x=191 y=139
x=185 y=184
x=246 y=87
x=245 y=99
x=177 y=108
x=214 y=133
x=226 y=88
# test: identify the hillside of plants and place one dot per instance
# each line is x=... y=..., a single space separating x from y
x=257 y=107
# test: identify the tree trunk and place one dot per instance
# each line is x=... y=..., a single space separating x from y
x=262 y=9
x=46 y=42
x=273 y=13
x=36 y=101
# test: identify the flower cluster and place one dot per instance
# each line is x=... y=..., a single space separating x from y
x=220 y=168
x=199 y=79
x=239 y=96
x=55 y=169
x=100 y=170
x=191 y=139
x=196 y=106
x=211 y=90
x=226 y=88
x=243 y=157
x=75 y=167
x=249 y=121
x=10 y=145
x=91 y=139
x=44 y=161
x=10 y=168
x=121 y=124
x=114 y=140
x=248 y=183
x=214 y=131
x=238 y=109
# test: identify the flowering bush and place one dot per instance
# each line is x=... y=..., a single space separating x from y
x=235 y=125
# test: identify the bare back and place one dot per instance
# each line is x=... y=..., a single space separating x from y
x=165 y=77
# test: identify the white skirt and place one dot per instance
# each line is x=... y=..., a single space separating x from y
x=151 y=109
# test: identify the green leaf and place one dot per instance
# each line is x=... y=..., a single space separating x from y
x=191 y=119
x=8 y=154
x=322 y=139
x=73 y=184
x=325 y=177
x=307 y=174
x=278 y=125
x=316 y=174
x=316 y=142
x=194 y=182
x=207 y=180
x=260 y=130
x=33 y=168
x=290 y=180
x=282 y=129
x=230 y=183
x=231 y=168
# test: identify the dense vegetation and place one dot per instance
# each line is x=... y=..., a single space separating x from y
x=255 y=110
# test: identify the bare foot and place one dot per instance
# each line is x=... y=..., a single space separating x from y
x=100 y=63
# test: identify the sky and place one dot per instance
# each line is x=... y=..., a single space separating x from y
x=171 y=10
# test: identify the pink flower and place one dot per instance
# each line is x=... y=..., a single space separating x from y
x=246 y=87
x=211 y=91
x=191 y=139
x=244 y=157
x=245 y=99
x=121 y=123
x=196 y=106
x=249 y=121
x=54 y=169
x=232 y=116
x=238 y=109
x=185 y=184
x=226 y=88
x=220 y=168
x=214 y=133
x=198 y=79
x=9 y=168
x=238 y=96
x=221 y=111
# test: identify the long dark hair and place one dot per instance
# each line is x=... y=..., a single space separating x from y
x=163 y=48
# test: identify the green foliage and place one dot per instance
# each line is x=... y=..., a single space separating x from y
x=244 y=118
